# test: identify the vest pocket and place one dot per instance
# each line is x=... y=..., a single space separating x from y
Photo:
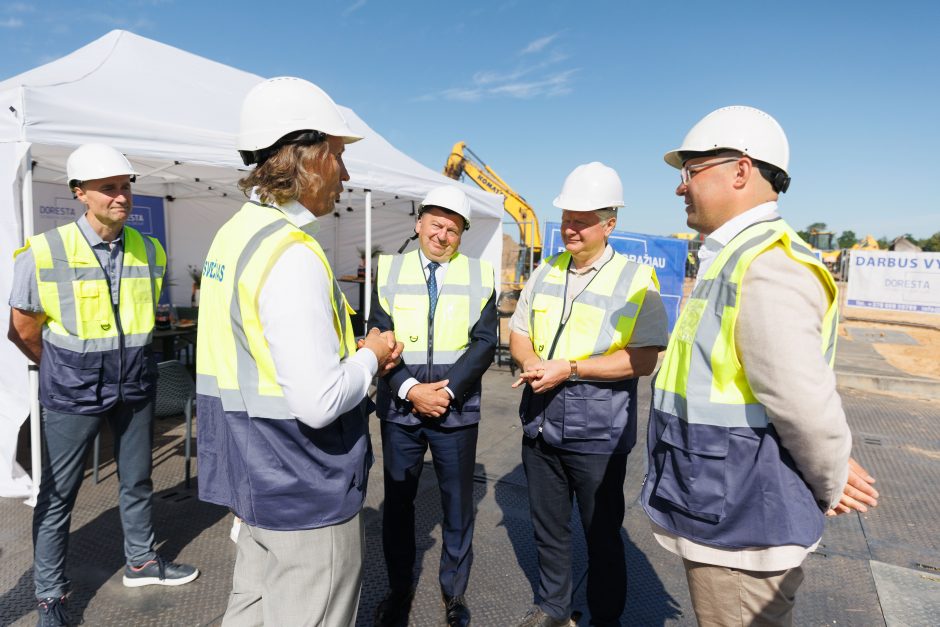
x=692 y=460
x=77 y=377
x=588 y=411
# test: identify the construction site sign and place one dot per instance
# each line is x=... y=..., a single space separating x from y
x=899 y=281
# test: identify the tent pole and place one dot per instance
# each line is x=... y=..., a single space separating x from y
x=367 y=293
x=35 y=444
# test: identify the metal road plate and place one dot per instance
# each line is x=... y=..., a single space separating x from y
x=908 y=596
x=880 y=336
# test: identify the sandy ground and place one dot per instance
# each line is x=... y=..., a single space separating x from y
x=922 y=360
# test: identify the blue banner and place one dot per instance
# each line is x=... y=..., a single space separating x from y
x=147 y=217
x=666 y=254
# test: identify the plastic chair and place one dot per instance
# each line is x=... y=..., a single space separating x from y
x=176 y=394
x=186 y=344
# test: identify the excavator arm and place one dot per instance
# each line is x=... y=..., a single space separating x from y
x=462 y=161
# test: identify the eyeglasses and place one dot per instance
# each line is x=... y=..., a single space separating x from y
x=688 y=171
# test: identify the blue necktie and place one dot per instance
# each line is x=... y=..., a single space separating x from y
x=432 y=285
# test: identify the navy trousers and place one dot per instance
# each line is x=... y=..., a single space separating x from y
x=554 y=477
x=67 y=438
x=453 y=452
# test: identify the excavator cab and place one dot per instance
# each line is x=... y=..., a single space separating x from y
x=823 y=240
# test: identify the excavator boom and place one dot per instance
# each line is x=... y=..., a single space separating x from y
x=463 y=161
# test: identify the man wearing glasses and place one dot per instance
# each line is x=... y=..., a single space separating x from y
x=749 y=446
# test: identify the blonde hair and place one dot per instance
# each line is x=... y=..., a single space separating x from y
x=294 y=170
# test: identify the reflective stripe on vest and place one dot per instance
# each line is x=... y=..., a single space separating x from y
x=701 y=379
x=403 y=294
x=602 y=316
x=76 y=297
x=235 y=362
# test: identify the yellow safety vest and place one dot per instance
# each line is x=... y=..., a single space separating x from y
x=234 y=360
x=718 y=472
x=602 y=316
x=403 y=294
x=76 y=298
x=701 y=378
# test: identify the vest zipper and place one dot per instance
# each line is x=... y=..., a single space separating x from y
x=120 y=330
x=120 y=326
x=115 y=308
x=551 y=350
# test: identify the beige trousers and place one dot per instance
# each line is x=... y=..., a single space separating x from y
x=303 y=578
x=724 y=596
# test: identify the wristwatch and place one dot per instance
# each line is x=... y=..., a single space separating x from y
x=573 y=376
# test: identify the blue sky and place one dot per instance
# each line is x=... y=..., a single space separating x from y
x=536 y=88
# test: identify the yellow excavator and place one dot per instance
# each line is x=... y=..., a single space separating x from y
x=866 y=243
x=462 y=161
x=827 y=245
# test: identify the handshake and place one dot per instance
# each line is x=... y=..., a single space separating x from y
x=386 y=348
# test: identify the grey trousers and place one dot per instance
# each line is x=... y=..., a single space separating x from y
x=67 y=438
x=723 y=597
x=303 y=578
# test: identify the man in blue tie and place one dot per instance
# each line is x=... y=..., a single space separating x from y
x=441 y=304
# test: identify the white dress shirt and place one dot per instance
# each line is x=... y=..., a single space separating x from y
x=296 y=315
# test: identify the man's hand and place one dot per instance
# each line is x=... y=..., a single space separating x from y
x=387 y=351
x=858 y=494
x=25 y=332
x=429 y=399
x=544 y=375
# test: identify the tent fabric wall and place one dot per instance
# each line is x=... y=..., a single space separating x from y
x=14 y=404
x=177 y=121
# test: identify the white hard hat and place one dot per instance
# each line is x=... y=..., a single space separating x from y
x=590 y=187
x=744 y=129
x=284 y=105
x=451 y=198
x=96 y=161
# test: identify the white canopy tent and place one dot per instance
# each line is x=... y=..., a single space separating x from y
x=175 y=115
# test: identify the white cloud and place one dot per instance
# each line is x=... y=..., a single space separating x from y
x=19 y=7
x=489 y=76
x=355 y=6
x=557 y=84
x=465 y=94
x=554 y=85
x=538 y=76
x=11 y=22
x=539 y=44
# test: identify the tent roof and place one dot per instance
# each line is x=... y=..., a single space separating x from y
x=164 y=105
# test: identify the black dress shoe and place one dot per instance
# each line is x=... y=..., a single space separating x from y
x=393 y=610
x=457 y=614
